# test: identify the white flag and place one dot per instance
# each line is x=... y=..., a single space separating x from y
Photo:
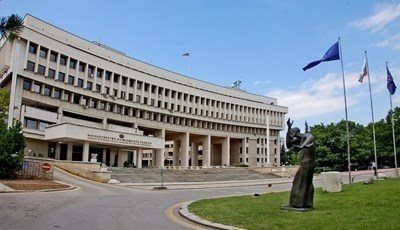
x=363 y=71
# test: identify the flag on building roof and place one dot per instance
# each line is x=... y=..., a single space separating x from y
x=185 y=54
x=331 y=55
x=390 y=83
x=363 y=71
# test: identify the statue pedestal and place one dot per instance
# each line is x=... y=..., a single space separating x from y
x=295 y=209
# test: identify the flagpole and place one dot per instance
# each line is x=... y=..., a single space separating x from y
x=345 y=109
x=394 y=137
x=372 y=113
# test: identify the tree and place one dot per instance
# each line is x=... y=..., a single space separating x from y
x=10 y=26
x=12 y=141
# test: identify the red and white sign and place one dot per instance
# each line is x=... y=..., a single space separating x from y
x=46 y=167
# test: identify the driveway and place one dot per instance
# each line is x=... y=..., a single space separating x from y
x=102 y=206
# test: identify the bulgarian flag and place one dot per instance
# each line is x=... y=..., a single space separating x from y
x=364 y=71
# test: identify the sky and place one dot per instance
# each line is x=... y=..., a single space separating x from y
x=265 y=44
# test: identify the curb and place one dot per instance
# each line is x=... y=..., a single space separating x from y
x=184 y=211
x=70 y=187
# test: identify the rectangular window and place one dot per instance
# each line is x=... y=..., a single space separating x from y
x=63 y=60
x=31 y=124
x=37 y=88
x=41 y=70
x=89 y=85
x=61 y=76
x=27 y=84
x=138 y=98
x=57 y=93
x=108 y=75
x=81 y=67
x=76 y=98
x=67 y=96
x=93 y=103
x=99 y=73
x=102 y=105
x=91 y=71
x=43 y=52
x=71 y=79
x=80 y=82
x=53 y=56
x=32 y=48
x=47 y=91
x=123 y=80
x=130 y=97
x=52 y=73
x=72 y=64
x=107 y=90
x=43 y=125
x=123 y=94
x=131 y=82
x=115 y=92
x=98 y=87
x=139 y=85
x=118 y=109
x=110 y=107
x=30 y=66
x=116 y=78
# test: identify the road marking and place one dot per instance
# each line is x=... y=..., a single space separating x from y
x=170 y=215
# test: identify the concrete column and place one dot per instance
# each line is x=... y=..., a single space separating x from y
x=235 y=149
x=46 y=71
x=253 y=152
x=135 y=158
x=139 y=156
x=85 y=154
x=69 y=151
x=185 y=150
x=153 y=158
x=112 y=157
x=268 y=143
x=194 y=154
x=67 y=65
x=135 y=90
x=86 y=75
x=94 y=79
x=175 y=158
x=104 y=156
x=122 y=157
x=14 y=67
x=58 y=148
x=226 y=151
x=206 y=151
x=26 y=54
x=37 y=58
x=160 y=152
x=104 y=122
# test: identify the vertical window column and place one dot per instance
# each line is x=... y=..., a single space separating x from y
x=120 y=86
x=94 y=88
x=37 y=59
x=142 y=93
x=103 y=83
x=26 y=54
x=86 y=75
x=135 y=91
x=111 y=84
x=67 y=65
x=46 y=71
x=128 y=87
x=57 y=65
x=150 y=94
x=162 y=97
x=76 y=72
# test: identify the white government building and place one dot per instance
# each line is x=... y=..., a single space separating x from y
x=76 y=98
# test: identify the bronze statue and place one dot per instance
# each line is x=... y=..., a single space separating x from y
x=302 y=193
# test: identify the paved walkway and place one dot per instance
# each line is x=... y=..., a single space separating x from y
x=102 y=206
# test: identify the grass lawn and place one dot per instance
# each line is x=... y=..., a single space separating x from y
x=375 y=206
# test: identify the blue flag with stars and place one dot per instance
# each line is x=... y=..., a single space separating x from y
x=390 y=83
x=331 y=55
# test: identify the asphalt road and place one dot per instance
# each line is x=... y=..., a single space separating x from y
x=99 y=206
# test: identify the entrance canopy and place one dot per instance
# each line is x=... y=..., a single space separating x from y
x=66 y=132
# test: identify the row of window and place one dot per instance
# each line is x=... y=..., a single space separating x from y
x=78 y=99
x=146 y=86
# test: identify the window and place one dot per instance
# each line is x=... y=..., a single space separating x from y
x=67 y=96
x=108 y=75
x=53 y=56
x=52 y=73
x=61 y=76
x=99 y=73
x=27 y=84
x=110 y=107
x=107 y=90
x=81 y=67
x=115 y=92
x=32 y=48
x=43 y=52
x=43 y=125
x=30 y=66
x=47 y=91
x=98 y=87
x=102 y=105
x=146 y=87
x=91 y=71
x=72 y=64
x=137 y=98
x=118 y=109
x=41 y=70
x=36 y=88
x=31 y=124
x=63 y=60
x=89 y=85
x=76 y=98
x=123 y=94
x=131 y=82
x=93 y=104
x=57 y=93
x=116 y=77
x=123 y=80
x=130 y=96
x=139 y=85
x=71 y=79
x=80 y=82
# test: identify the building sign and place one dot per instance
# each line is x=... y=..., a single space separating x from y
x=118 y=140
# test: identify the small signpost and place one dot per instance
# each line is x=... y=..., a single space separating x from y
x=46 y=167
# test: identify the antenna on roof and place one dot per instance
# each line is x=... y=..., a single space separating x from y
x=236 y=84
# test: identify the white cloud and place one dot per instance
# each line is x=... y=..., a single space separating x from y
x=261 y=82
x=325 y=95
x=383 y=14
x=382 y=44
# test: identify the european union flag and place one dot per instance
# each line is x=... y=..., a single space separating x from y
x=330 y=55
x=390 y=83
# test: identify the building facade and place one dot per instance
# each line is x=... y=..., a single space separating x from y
x=80 y=100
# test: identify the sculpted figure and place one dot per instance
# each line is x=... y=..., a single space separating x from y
x=302 y=193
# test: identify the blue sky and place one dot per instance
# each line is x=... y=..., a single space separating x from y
x=264 y=43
